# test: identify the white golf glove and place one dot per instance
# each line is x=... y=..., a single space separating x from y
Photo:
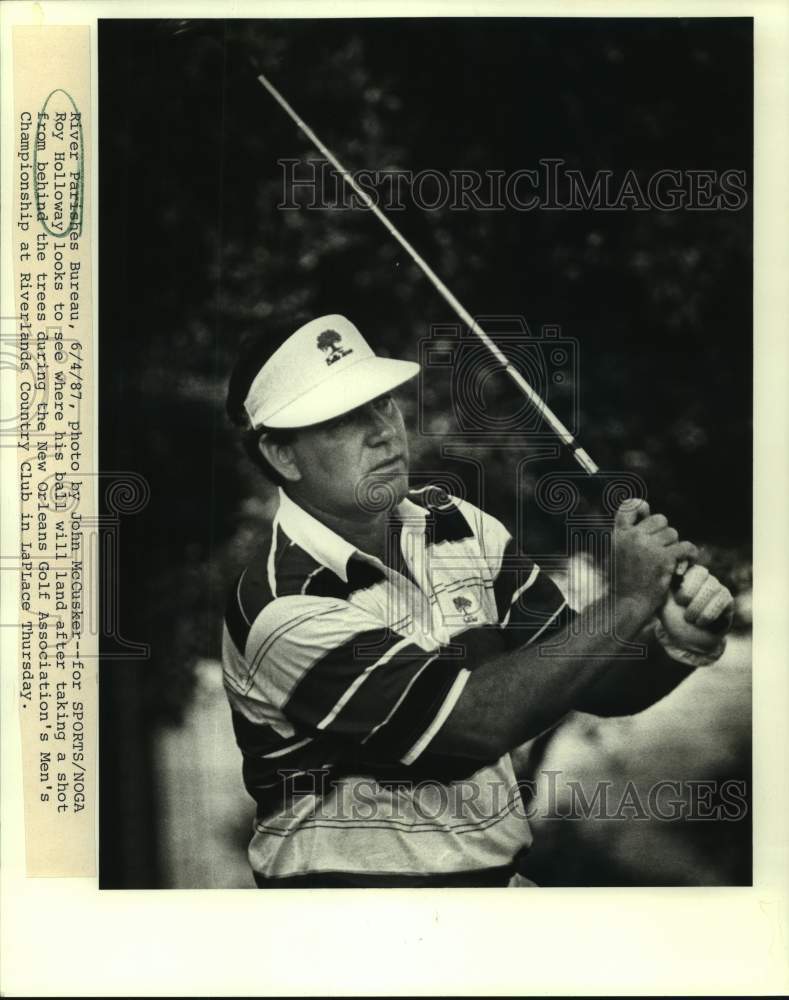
x=685 y=619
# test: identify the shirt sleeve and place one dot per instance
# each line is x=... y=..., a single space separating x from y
x=330 y=667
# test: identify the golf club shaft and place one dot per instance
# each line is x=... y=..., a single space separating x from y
x=548 y=415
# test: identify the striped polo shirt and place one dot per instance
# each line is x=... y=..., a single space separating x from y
x=340 y=670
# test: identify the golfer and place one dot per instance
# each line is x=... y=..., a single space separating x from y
x=381 y=651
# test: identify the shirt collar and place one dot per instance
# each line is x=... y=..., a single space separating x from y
x=325 y=545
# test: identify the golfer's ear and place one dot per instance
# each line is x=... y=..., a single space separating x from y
x=281 y=457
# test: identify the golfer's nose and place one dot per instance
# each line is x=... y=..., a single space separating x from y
x=381 y=427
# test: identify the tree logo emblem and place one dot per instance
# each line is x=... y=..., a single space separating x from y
x=330 y=342
x=464 y=605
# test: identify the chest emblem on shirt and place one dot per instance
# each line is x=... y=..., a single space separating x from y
x=466 y=605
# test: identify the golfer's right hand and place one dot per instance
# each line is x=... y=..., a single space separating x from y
x=646 y=554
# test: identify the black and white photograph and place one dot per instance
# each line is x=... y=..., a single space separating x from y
x=425 y=393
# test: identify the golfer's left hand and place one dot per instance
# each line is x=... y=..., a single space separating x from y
x=696 y=617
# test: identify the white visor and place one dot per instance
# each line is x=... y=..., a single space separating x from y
x=323 y=370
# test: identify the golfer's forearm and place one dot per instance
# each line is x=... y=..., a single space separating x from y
x=515 y=696
x=630 y=686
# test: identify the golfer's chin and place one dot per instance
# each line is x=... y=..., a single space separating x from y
x=399 y=485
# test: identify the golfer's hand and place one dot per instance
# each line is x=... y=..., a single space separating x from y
x=696 y=617
x=705 y=600
x=646 y=553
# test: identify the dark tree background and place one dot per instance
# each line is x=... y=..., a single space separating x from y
x=195 y=255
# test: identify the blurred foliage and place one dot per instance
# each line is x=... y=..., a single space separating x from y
x=195 y=255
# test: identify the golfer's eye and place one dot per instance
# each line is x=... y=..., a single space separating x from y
x=384 y=404
x=339 y=422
